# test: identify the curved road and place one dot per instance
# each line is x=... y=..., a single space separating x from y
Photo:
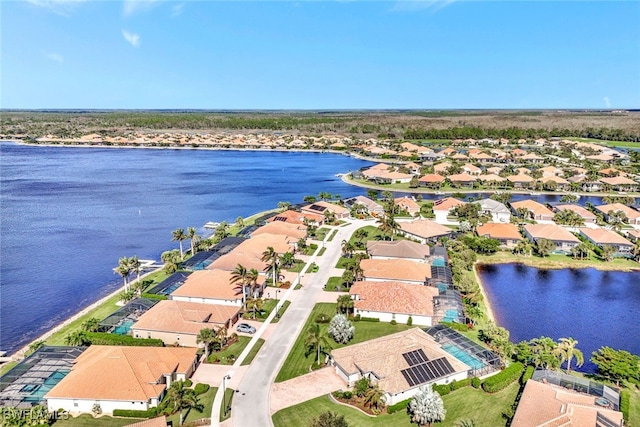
x=251 y=406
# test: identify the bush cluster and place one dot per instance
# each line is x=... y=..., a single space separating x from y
x=475 y=382
x=400 y=406
x=105 y=338
x=528 y=373
x=456 y=326
x=504 y=378
x=154 y=296
x=201 y=388
x=442 y=389
x=188 y=383
x=132 y=413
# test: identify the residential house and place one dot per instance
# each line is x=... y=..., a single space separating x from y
x=506 y=233
x=563 y=240
x=462 y=180
x=321 y=207
x=471 y=169
x=602 y=236
x=498 y=211
x=293 y=232
x=633 y=216
x=249 y=252
x=398 y=249
x=390 y=362
x=397 y=301
x=117 y=377
x=633 y=235
x=537 y=211
x=431 y=180
x=408 y=204
x=442 y=208
x=294 y=217
x=209 y=287
x=620 y=183
x=441 y=168
x=532 y=158
x=424 y=230
x=179 y=322
x=561 y=183
x=400 y=270
x=372 y=207
x=520 y=180
x=588 y=216
x=491 y=180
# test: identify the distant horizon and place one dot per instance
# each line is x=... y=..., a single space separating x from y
x=320 y=110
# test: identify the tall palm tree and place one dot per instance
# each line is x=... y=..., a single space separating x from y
x=123 y=269
x=254 y=304
x=77 y=339
x=194 y=238
x=240 y=222
x=179 y=235
x=388 y=225
x=171 y=260
x=240 y=278
x=345 y=303
x=252 y=281
x=580 y=250
x=135 y=265
x=567 y=351
x=287 y=259
x=271 y=257
x=347 y=248
x=206 y=336
x=375 y=399
x=182 y=398
x=316 y=340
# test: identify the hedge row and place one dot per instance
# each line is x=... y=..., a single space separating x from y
x=456 y=326
x=504 y=378
x=201 y=388
x=528 y=373
x=624 y=404
x=400 y=406
x=156 y=297
x=132 y=413
x=442 y=389
x=358 y=318
x=105 y=338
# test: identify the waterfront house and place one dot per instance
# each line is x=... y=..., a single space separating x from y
x=491 y=180
x=398 y=363
x=398 y=249
x=471 y=169
x=321 y=207
x=424 y=230
x=462 y=180
x=431 y=180
x=537 y=211
x=563 y=240
x=620 y=183
x=442 y=208
x=632 y=215
x=561 y=183
x=520 y=180
x=441 y=168
x=602 y=236
x=498 y=211
x=116 y=377
x=400 y=270
x=209 y=287
x=179 y=322
x=372 y=207
x=633 y=235
x=506 y=233
x=588 y=216
x=293 y=232
x=408 y=204
x=249 y=252
x=294 y=217
x=397 y=301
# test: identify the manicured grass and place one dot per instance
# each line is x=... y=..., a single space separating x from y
x=89 y=421
x=298 y=364
x=634 y=407
x=322 y=251
x=253 y=352
x=297 y=266
x=229 y=355
x=373 y=233
x=343 y=262
x=333 y=283
x=228 y=399
x=206 y=400
x=560 y=261
x=7 y=367
x=333 y=234
x=321 y=233
x=466 y=403
x=620 y=144
x=155 y=278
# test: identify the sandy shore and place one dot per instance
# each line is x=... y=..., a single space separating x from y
x=487 y=303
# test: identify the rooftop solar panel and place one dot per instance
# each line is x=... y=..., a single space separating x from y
x=415 y=357
x=427 y=371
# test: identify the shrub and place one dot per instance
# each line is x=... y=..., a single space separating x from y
x=347 y=395
x=528 y=373
x=442 y=389
x=456 y=326
x=393 y=322
x=322 y=318
x=624 y=404
x=340 y=329
x=400 y=406
x=410 y=321
x=366 y=319
x=503 y=379
x=188 y=383
x=361 y=386
x=459 y=384
x=475 y=382
x=105 y=338
x=154 y=296
x=201 y=388
x=132 y=413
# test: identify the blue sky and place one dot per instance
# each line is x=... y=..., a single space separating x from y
x=320 y=54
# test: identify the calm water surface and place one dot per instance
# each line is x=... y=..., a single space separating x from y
x=598 y=308
x=68 y=214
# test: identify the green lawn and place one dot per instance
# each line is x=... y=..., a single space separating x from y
x=89 y=421
x=322 y=250
x=466 y=403
x=253 y=352
x=298 y=364
x=333 y=234
x=343 y=262
x=559 y=261
x=7 y=367
x=621 y=144
x=321 y=233
x=634 y=409
x=333 y=283
x=228 y=399
x=207 y=401
x=297 y=266
x=373 y=233
x=229 y=355
x=268 y=307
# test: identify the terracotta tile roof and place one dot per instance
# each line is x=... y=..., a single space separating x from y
x=551 y=232
x=629 y=212
x=292 y=231
x=520 y=178
x=584 y=213
x=634 y=233
x=602 y=236
x=214 y=284
x=395 y=269
x=407 y=204
x=394 y=297
x=499 y=231
x=447 y=204
x=431 y=177
x=548 y=405
x=532 y=156
x=122 y=373
x=339 y=210
x=398 y=249
x=383 y=357
x=523 y=171
x=425 y=228
x=459 y=156
x=471 y=168
x=611 y=172
x=491 y=177
x=618 y=180
x=462 y=177
x=294 y=217
x=557 y=179
x=533 y=207
x=249 y=252
x=441 y=167
x=185 y=317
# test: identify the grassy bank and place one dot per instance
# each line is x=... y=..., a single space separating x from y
x=559 y=261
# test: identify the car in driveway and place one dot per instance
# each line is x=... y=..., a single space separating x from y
x=246 y=328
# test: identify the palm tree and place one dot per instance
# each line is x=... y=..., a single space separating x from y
x=465 y=423
x=222 y=231
x=240 y=278
x=178 y=235
x=347 y=249
x=522 y=213
x=287 y=259
x=580 y=250
x=240 y=222
x=254 y=304
x=271 y=257
x=544 y=351
x=607 y=252
x=194 y=238
x=182 y=398
x=375 y=398
x=567 y=351
x=206 y=336
x=387 y=224
x=316 y=340
x=252 y=281
x=544 y=246
x=91 y=325
x=426 y=407
x=345 y=303
x=77 y=339
x=171 y=260
x=123 y=269
x=34 y=346
x=636 y=251
x=616 y=219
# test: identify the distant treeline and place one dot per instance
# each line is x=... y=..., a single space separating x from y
x=511 y=133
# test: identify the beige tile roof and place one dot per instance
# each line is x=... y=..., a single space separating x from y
x=294 y=217
x=520 y=178
x=398 y=249
x=618 y=180
x=629 y=212
x=407 y=204
x=122 y=373
x=584 y=213
x=184 y=317
x=602 y=236
x=491 y=177
x=499 y=231
x=551 y=232
x=394 y=297
x=548 y=405
x=425 y=228
x=249 y=252
x=447 y=204
x=533 y=207
x=214 y=284
x=431 y=177
x=383 y=357
x=554 y=178
x=462 y=177
x=338 y=210
x=292 y=231
x=395 y=269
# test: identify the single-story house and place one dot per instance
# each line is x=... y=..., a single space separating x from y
x=462 y=179
x=498 y=211
x=391 y=362
x=537 y=211
x=561 y=183
x=491 y=179
x=423 y=230
x=431 y=180
x=180 y=322
x=408 y=204
x=506 y=233
x=532 y=158
x=320 y=207
x=372 y=207
x=400 y=270
x=633 y=216
x=602 y=236
x=441 y=168
x=397 y=301
x=471 y=169
x=561 y=237
x=249 y=252
x=117 y=377
x=294 y=217
x=294 y=232
x=209 y=287
x=633 y=234
x=586 y=215
x=398 y=249
x=520 y=180
x=442 y=208
x=620 y=183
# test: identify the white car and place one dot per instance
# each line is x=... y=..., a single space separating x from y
x=246 y=328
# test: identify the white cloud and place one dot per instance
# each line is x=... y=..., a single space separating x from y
x=177 y=9
x=56 y=57
x=60 y=7
x=607 y=102
x=413 y=5
x=131 y=7
x=132 y=38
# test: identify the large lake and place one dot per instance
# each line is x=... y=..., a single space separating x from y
x=68 y=214
x=598 y=308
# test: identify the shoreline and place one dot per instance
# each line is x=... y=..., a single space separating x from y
x=487 y=303
x=545 y=264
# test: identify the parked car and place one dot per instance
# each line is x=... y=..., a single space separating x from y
x=246 y=328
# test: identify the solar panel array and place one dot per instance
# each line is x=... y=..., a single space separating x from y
x=317 y=208
x=415 y=357
x=427 y=371
x=280 y=218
